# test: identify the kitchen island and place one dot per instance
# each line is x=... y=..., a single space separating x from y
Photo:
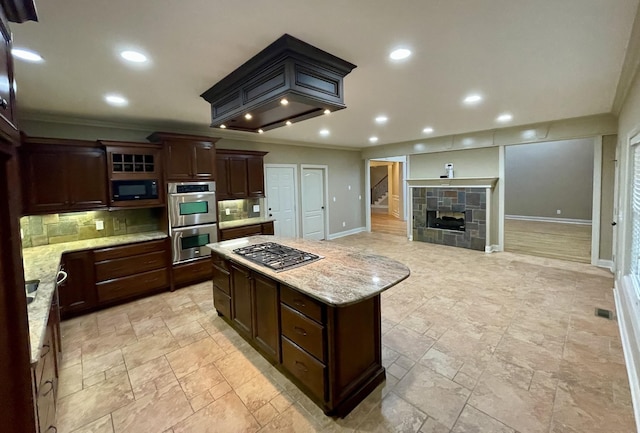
x=318 y=322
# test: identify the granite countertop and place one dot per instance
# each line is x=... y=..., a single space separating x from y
x=41 y=263
x=344 y=276
x=245 y=222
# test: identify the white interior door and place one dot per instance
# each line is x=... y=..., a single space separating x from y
x=313 y=204
x=281 y=199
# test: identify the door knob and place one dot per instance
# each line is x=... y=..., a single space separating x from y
x=614 y=223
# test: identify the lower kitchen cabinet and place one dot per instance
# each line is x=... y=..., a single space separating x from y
x=105 y=276
x=45 y=377
x=249 y=230
x=331 y=353
x=191 y=272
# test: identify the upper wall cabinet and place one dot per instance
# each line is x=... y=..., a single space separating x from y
x=62 y=175
x=7 y=84
x=188 y=157
x=240 y=174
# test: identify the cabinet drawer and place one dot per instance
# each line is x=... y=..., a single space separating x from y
x=304 y=367
x=221 y=279
x=219 y=262
x=240 y=232
x=304 y=332
x=132 y=285
x=302 y=303
x=109 y=269
x=222 y=302
x=129 y=250
x=193 y=271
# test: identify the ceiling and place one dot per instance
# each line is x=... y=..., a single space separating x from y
x=538 y=60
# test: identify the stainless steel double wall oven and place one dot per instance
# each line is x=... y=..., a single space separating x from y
x=192 y=218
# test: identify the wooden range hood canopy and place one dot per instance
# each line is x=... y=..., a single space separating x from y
x=289 y=71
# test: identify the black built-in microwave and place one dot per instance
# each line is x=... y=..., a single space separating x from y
x=145 y=189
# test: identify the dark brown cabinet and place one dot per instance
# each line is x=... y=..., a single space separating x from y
x=188 y=157
x=240 y=174
x=248 y=230
x=77 y=293
x=191 y=272
x=254 y=310
x=62 y=175
x=7 y=85
x=45 y=378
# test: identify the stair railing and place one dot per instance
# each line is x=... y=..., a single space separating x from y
x=379 y=189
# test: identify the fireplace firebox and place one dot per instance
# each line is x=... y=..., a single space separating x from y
x=446 y=220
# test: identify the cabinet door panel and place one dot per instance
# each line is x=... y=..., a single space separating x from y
x=238 y=177
x=78 y=292
x=88 y=179
x=45 y=180
x=204 y=162
x=222 y=178
x=266 y=331
x=255 y=177
x=241 y=308
x=6 y=77
x=179 y=160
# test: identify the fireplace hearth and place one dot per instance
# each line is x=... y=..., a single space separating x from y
x=445 y=220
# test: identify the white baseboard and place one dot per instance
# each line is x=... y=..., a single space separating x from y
x=492 y=248
x=628 y=323
x=346 y=233
x=605 y=264
x=547 y=219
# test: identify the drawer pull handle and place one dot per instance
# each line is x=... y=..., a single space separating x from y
x=50 y=382
x=4 y=104
x=301 y=366
x=299 y=303
x=300 y=331
x=45 y=346
x=64 y=276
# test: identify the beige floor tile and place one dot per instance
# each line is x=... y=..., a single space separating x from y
x=194 y=356
x=145 y=327
x=154 y=413
x=433 y=426
x=435 y=395
x=220 y=389
x=265 y=414
x=149 y=348
x=201 y=380
x=93 y=380
x=77 y=409
x=106 y=343
x=70 y=358
x=393 y=415
x=70 y=380
x=256 y=392
x=226 y=414
x=101 y=425
x=149 y=371
x=442 y=363
x=99 y=364
x=200 y=401
x=236 y=368
x=407 y=342
x=292 y=420
x=471 y=420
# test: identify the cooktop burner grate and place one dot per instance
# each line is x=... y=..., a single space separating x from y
x=275 y=256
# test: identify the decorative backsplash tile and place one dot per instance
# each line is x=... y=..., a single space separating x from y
x=40 y=230
x=240 y=209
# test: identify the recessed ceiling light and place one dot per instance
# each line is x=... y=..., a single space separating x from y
x=284 y=101
x=504 y=117
x=28 y=55
x=373 y=139
x=248 y=116
x=399 y=54
x=223 y=126
x=324 y=132
x=428 y=130
x=116 y=100
x=133 y=56
x=260 y=131
x=327 y=111
x=381 y=119
x=288 y=123
x=472 y=99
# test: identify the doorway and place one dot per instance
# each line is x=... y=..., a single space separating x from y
x=282 y=193
x=549 y=199
x=314 y=202
x=387 y=194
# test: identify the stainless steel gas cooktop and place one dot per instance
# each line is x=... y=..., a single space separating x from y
x=275 y=256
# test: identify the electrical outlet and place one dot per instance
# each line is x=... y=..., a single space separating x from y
x=256 y=208
x=227 y=211
x=558 y=212
x=344 y=223
x=99 y=225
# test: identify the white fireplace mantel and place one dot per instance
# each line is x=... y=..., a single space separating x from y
x=456 y=182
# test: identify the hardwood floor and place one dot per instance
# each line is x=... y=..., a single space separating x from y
x=548 y=239
x=385 y=223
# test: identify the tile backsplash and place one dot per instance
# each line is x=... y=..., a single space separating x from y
x=40 y=230
x=233 y=210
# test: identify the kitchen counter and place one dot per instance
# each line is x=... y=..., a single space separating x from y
x=244 y=222
x=41 y=263
x=344 y=276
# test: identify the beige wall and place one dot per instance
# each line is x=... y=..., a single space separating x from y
x=466 y=163
x=606 y=195
x=541 y=178
x=345 y=168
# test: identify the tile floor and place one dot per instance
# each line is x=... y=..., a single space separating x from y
x=472 y=342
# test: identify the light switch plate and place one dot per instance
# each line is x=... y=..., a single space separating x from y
x=99 y=225
x=227 y=211
x=256 y=208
